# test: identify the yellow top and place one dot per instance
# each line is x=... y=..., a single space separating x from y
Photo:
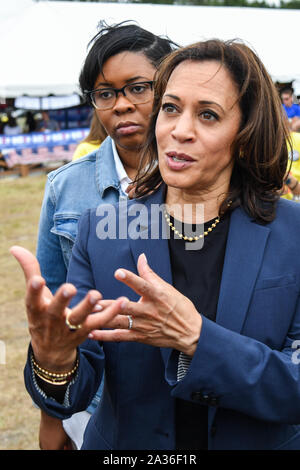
x=295 y=167
x=84 y=148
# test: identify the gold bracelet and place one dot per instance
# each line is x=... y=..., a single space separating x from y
x=58 y=380
x=52 y=382
x=53 y=375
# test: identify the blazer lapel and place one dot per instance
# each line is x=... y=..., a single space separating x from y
x=152 y=239
x=155 y=249
x=244 y=254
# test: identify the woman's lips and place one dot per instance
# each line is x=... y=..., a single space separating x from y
x=178 y=161
x=127 y=128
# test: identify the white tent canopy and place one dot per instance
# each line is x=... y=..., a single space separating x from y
x=42 y=47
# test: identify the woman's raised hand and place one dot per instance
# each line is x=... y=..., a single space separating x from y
x=162 y=317
x=54 y=344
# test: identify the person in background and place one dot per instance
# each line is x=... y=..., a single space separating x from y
x=3 y=121
x=117 y=80
x=46 y=124
x=292 y=109
x=30 y=122
x=93 y=140
x=291 y=189
x=11 y=127
x=198 y=334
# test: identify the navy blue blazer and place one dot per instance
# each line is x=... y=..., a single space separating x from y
x=246 y=366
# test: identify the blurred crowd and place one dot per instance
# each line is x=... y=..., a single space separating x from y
x=21 y=121
x=12 y=124
x=291 y=109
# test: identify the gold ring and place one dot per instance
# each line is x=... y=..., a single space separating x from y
x=70 y=326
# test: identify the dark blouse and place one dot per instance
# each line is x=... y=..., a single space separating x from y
x=197 y=274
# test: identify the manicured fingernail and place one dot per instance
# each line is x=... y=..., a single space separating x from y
x=36 y=284
x=121 y=274
x=66 y=293
x=91 y=336
x=124 y=303
x=145 y=257
x=98 y=308
x=93 y=299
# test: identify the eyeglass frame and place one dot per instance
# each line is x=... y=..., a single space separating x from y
x=116 y=92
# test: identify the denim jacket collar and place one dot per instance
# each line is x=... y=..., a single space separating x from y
x=106 y=173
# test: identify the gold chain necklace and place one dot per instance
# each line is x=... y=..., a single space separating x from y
x=193 y=239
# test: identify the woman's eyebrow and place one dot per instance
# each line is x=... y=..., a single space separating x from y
x=129 y=80
x=172 y=96
x=209 y=103
x=202 y=102
x=138 y=77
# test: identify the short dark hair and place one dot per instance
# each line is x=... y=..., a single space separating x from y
x=259 y=151
x=286 y=89
x=113 y=39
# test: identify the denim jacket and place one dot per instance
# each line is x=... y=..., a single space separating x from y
x=70 y=191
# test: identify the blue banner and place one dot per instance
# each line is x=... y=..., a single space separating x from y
x=35 y=140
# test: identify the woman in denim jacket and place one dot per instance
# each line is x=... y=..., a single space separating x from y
x=117 y=79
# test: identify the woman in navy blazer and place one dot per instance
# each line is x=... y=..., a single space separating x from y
x=225 y=356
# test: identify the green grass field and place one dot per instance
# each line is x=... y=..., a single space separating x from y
x=19 y=214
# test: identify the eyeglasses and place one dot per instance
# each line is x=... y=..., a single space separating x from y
x=136 y=93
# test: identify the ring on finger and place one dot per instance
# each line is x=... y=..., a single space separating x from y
x=130 y=322
x=70 y=326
